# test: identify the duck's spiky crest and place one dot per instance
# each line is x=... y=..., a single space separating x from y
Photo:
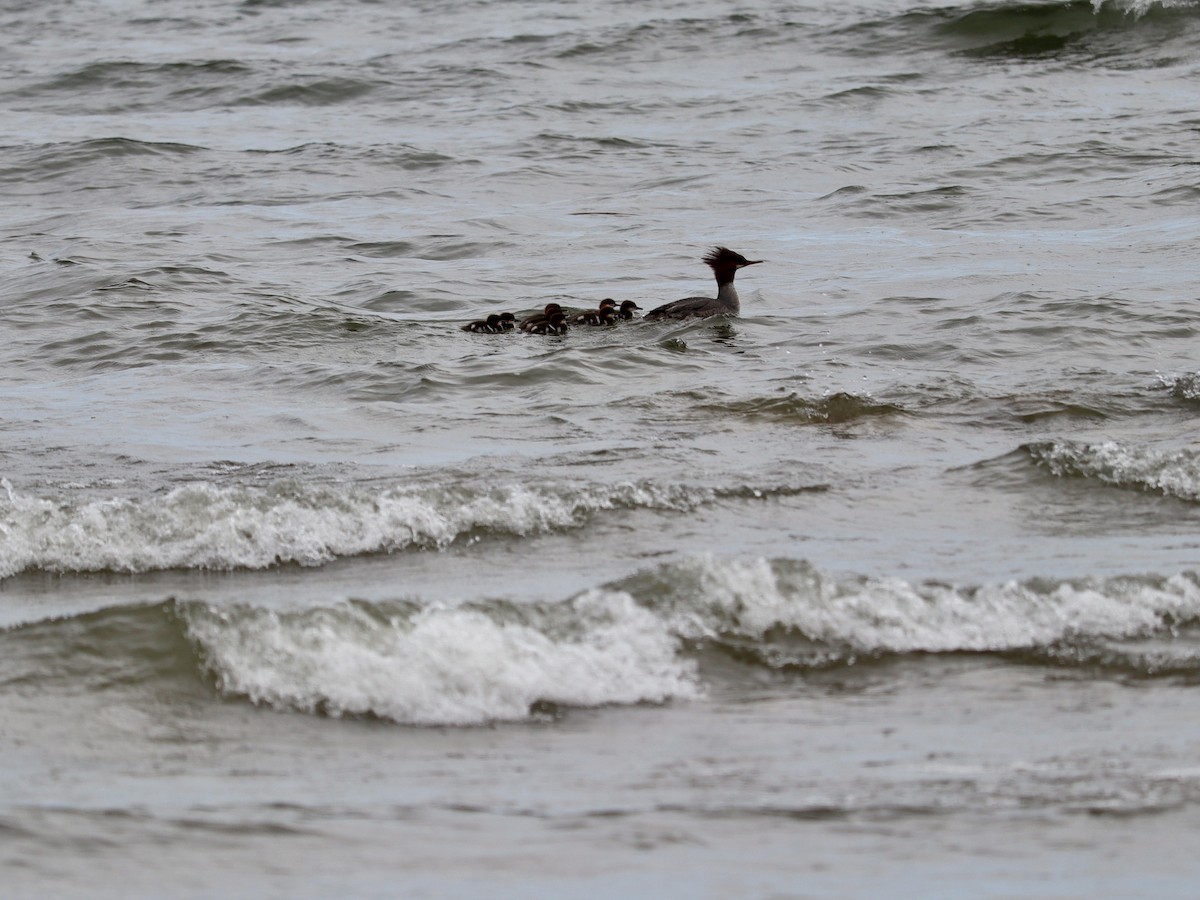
x=723 y=256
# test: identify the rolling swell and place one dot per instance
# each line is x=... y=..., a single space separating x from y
x=179 y=85
x=112 y=648
x=1006 y=30
x=647 y=638
x=34 y=166
x=835 y=409
x=206 y=526
x=838 y=408
x=194 y=85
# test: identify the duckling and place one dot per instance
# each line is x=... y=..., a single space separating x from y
x=587 y=317
x=530 y=322
x=555 y=323
x=626 y=310
x=490 y=325
x=596 y=316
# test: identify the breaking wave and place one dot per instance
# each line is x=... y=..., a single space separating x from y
x=205 y=526
x=442 y=665
x=644 y=639
x=654 y=637
x=1185 y=387
x=1172 y=473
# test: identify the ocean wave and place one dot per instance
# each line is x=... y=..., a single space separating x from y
x=786 y=612
x=1031 y=30
x=206 y=526
x=1142 y=7
x=1008 y=21
x=443 y=665
x=196 y=84
x=836 y=409
x=1185 y=387
x=1172 y=473
x=309 y=91
x=41 y=162
x=649 y=638
x=125 y=74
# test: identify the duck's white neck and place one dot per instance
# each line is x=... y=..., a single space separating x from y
x=727 y=293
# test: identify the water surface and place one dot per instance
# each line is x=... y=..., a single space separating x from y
x=888 y=585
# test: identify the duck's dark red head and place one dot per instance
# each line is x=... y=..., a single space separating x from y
x=724 y=258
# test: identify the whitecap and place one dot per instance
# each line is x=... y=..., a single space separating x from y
x=439 y=665
x=1174 y=473
x=642 y=640
x=206 y=526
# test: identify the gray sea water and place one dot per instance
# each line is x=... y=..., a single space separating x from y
x=888 y=587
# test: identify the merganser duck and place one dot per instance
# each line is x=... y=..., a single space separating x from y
x=724 y=263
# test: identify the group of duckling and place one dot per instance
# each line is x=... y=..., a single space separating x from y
x=554 y=319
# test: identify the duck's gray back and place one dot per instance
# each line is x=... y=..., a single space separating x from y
x=696 y=306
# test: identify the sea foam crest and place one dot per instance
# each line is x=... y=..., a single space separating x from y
x=1175 y=473
x=706 y=599
x=638 y=640
x=1141 y=7
x=207 y=526
x=443 y=665
x=1184 y=387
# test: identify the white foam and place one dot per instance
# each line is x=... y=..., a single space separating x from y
x=1185 y=387
x=1175 y=473
x=443 y=666
x=206 y=526
x=747 y=599
x=1141 y=7
x=891 y=615
x=630 y=642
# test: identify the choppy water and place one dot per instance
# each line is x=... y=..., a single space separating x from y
x=889 y=586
